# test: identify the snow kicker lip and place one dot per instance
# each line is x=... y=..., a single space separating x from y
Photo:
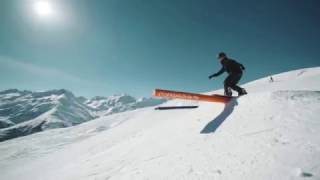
x=191 y=96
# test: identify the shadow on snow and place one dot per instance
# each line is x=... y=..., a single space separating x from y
x=213 y=125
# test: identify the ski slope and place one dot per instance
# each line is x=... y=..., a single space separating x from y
x=272 y=133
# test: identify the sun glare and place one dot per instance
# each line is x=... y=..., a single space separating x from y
x=43 y=8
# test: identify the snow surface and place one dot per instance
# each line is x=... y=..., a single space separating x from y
x=272 y=133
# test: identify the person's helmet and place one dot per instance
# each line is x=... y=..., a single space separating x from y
x=221 y=55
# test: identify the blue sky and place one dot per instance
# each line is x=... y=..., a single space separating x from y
x=105 y=47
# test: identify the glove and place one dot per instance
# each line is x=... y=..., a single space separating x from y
x=242 y=67
x=210 y=77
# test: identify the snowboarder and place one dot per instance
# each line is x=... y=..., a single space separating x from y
x=271 y=79
x=235 y=70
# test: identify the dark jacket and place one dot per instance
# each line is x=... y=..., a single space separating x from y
x=230 y=66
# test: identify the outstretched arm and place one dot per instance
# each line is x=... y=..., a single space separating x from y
x=222 y=70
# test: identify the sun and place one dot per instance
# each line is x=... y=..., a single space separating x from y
x=43 y=8
x=50 y=13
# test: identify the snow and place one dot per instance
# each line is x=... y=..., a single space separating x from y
x=31 y=112
x=10 y=96
x=118 y=103
x=272 y=133
x=25 y=112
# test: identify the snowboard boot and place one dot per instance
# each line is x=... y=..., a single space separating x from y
x=242 y=92
x=228 y=92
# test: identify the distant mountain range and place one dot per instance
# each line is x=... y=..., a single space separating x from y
x=26 y=112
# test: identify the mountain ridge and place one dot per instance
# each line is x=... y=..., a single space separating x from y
x=26 y=112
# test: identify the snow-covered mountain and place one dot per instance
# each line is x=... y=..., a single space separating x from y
x=25 y=112
x=102 y=106
x=272 y=133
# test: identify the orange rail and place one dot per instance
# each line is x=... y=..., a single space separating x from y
x=190 y=96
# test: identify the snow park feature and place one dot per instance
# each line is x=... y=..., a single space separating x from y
x=191 y=96
x=271 y=133
x=175 y=107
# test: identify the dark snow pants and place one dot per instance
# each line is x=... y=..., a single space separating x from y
x=231 y=82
